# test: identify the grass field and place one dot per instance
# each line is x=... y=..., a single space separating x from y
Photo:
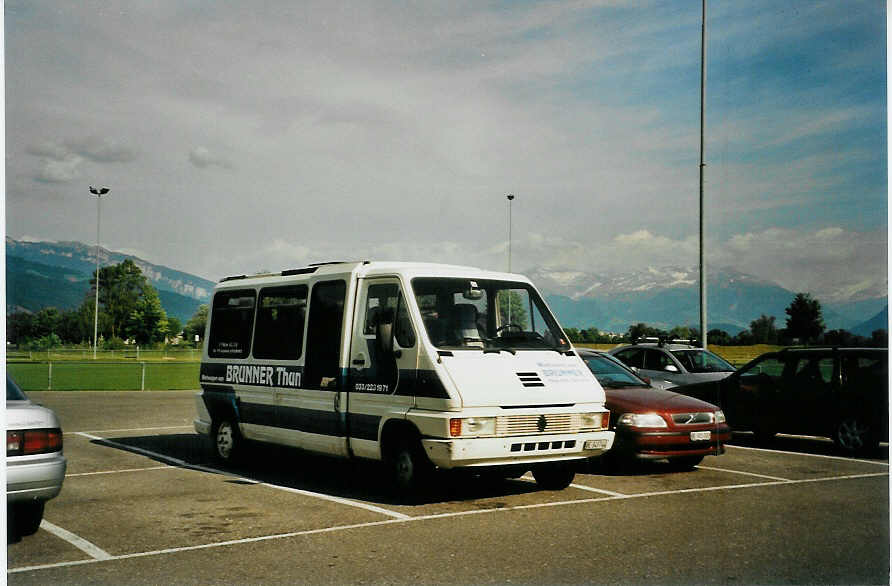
x=104 y=376
x=164 y=370
x=736 y=355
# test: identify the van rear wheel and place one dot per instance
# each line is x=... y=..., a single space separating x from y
x=554 y=475
x=227 y=441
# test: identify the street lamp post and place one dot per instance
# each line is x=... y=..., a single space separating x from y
x=98 y=193
x=510 y=197
x=703 y=312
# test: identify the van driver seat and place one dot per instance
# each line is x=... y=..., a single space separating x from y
x=466 y=325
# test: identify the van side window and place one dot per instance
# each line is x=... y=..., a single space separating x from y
x=380 y=298
x=281 y=312
x=231 y=324
x=402 y=330
x=324 y=327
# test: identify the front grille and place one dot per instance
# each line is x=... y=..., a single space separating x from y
x=692 y=418
x=538 y=446
x=508 y=425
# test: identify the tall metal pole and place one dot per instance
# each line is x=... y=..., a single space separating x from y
x=510 y=199
x=702 y=168
x=98 y=193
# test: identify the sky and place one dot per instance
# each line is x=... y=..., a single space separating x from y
x=245 y=136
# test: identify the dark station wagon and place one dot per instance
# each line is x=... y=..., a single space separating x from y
x=841 y=393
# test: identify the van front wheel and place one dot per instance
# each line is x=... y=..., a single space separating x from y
x=554 y=475
x=410 y=468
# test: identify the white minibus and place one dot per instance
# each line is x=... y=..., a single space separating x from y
x=418 y=365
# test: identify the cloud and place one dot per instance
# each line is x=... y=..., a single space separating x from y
x=201 y=157
x=101 y=149
x=59 y=170
x=61 y=162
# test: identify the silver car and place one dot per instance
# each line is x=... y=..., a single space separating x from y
x=677 y=363
x=35 y=466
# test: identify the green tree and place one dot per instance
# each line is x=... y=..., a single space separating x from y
x=573 y=334
x=123 y=290
x=147 y=322
x=75 y=327
x=591 y=335
x=719 y=337
x=19 y=327
x=46 y=322
x=763 y=330
x=879 y=339
x=516 y=313
x=196 y=324
x=174 y=326
x=804 y=320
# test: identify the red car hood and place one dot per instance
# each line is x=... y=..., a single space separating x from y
x=645 y=399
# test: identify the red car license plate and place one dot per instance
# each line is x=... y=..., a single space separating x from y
x=701 y=436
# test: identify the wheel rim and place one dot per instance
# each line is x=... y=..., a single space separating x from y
x=852 y=434
x=224 y=439
x=405 y=468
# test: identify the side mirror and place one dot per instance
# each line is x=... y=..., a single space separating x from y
x=671 y=368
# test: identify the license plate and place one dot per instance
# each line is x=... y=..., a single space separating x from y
x=595 y=444
x=701 y=436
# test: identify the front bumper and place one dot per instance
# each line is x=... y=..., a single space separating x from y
x=654 y=445
x=34 y=477
x=500 y=451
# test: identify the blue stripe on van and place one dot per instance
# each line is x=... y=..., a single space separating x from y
x=364 y=426
x=412 y=383
x=310 y=421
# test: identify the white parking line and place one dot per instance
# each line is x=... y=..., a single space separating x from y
x=184 y=464
x=131 y=429
x=598 y=490
x=82 y=544
x=744 y=473
x=120 y=471
x=844 y=458
x=436 y=516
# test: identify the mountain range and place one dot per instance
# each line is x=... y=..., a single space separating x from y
x=43 y=274
x=666 y=297
x=57 y=274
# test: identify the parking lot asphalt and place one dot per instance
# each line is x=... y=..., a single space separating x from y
x=144 y=503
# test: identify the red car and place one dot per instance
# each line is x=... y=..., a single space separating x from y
x=654 y=424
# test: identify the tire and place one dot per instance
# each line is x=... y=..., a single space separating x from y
x=763 y=435
x=409 y=469
x=26 y=517
x=227 y=441
x=685 y=462
x=554 y=475
x=855 y=435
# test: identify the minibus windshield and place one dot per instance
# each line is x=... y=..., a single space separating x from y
x=483 y=314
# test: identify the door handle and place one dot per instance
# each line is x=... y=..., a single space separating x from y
x=359 y=360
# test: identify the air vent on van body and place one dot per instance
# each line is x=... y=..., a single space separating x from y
x=530 y=379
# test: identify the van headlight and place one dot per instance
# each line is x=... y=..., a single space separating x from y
x=472 y=426
x=641 y=420
x=598 y=420
x=720 y=416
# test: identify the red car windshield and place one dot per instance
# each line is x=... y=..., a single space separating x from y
x=610 y=374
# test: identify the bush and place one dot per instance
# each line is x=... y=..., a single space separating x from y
x=44 y=342
x=114 y=343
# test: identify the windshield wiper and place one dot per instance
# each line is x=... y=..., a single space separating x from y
x=497 y=350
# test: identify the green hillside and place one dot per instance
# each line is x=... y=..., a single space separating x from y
x=32 y=286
